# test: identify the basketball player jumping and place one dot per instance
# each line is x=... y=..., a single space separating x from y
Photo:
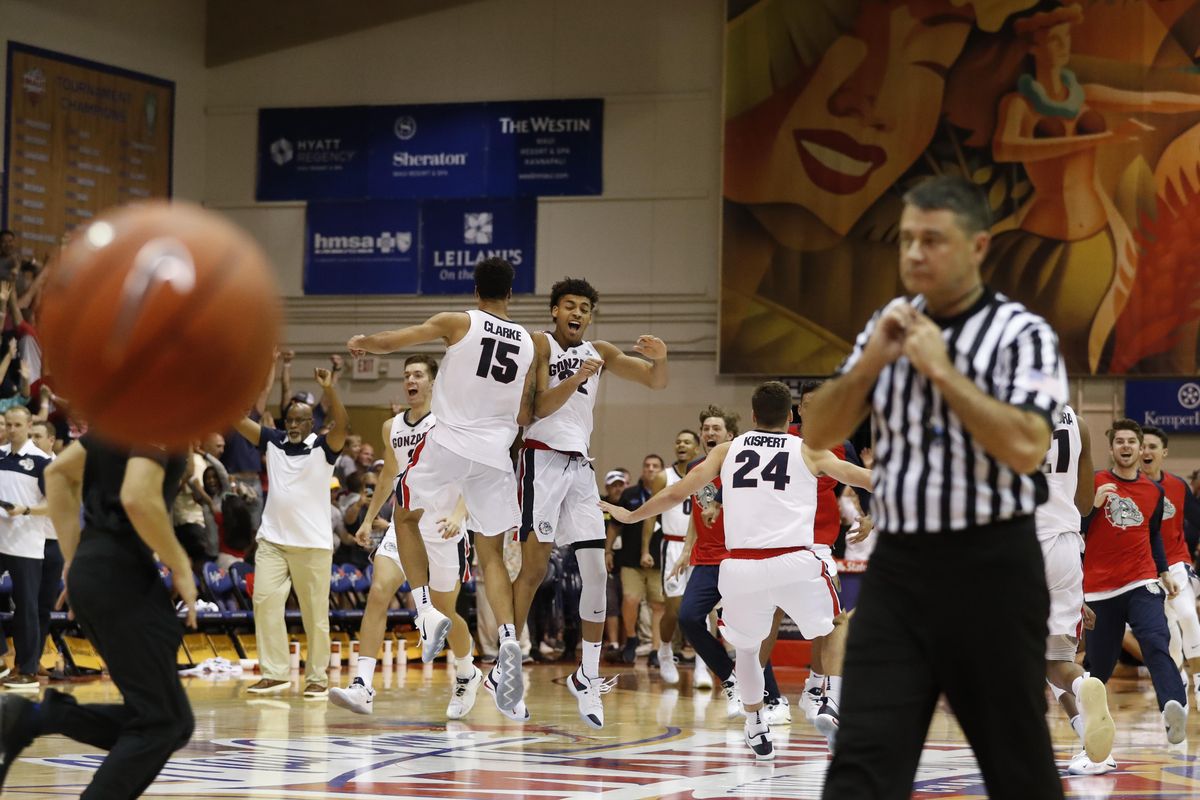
x=445 y=544
x=484 y=393
x=558 y=484
x=769 y=486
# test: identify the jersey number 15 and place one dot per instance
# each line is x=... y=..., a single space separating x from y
x=504 y=369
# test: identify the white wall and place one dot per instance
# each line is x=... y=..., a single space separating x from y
x=650 y=244
x=163 y=38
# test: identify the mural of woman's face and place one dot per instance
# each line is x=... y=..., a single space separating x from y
x=868 y=109
x=1052 y=47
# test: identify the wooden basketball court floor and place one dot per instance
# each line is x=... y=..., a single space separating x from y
x=658 y=742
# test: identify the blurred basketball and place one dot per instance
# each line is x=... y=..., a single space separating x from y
x=159 y=322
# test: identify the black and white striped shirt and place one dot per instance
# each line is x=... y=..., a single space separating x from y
x=929 y=474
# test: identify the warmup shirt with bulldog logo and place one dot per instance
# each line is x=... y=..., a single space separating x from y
x=1124 y=538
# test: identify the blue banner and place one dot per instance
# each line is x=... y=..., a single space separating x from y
x=528 y=148
x=312 y=153
x=362 y=248
x=1171 y=405
x=458 y=234
x=548 y=147
x=428 y=151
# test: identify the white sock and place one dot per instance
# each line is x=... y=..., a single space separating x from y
x=1077 y=725
x=366 y=670
x=591 y=659
x=465 y=665
x=815 y=680
x=507 y=632
x=665 y=651
x=833 y=691
x=421 y=596
x=1077 y=684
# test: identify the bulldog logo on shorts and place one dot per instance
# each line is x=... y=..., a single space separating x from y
x=1122 y=512
x=545 y=528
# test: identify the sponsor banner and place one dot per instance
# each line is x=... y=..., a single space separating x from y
x=458 y=234
x=548 y=147
x=80 y=137
x=312 y=153
x=1173 y=406
x=362 y=248
x=428 y=151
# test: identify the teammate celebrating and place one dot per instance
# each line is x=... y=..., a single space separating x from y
x=1058 y=523
x=485 y=392
x=1122 y=569
x=769 y=481
x=445 y=545
x=674 y=521
x=557 y=483
x=1178 y=504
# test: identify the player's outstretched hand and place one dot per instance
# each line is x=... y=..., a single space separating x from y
x=651 y=347
x=1089 y=618
x=324 y=377
x=865 y=526
x=355 y=345
x=187 y=592
x=621 y=515
x=680 y=567
x=363 y=536
x=449 y=527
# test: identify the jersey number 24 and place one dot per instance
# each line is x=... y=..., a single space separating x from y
x=774 y=473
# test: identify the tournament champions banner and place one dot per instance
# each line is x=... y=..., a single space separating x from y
x=410 y=247
x=549 y=147
x=1081 y=123
x=79 y=137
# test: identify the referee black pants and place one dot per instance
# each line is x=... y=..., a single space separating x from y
x=961 y=614
x=123 y=607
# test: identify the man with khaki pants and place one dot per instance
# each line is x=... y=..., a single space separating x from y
x=295 y=540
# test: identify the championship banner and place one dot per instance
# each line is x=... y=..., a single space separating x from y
x=458 y=234
x=80 y=137
x=1173 y=406
x=449 y=150
x=365 y=247
x=1079 y=121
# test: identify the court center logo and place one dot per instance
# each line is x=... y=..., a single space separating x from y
x=1189 y=396
x=477 y=228
x=282 y=151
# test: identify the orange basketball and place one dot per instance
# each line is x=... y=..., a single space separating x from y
x=159 y=322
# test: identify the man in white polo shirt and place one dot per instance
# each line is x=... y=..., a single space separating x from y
x=295 y=540
x=23 y=540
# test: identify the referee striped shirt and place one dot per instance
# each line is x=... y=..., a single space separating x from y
x=929 y=474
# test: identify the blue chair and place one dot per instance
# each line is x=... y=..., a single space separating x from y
x=164 y=572
x=220 y=587
x=359 y=582
x=238 y=571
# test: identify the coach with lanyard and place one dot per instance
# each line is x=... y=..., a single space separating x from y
x=960 y=383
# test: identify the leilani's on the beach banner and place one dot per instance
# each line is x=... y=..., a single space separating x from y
x=79 y=137
x=416 y=247
x=448 y=150
x=1080 y=122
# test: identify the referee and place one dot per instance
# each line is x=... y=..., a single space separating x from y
x=960 y=383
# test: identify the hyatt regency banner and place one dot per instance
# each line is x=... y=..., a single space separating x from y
x=451 y=150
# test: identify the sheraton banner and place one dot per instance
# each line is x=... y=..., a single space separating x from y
x=79 y=137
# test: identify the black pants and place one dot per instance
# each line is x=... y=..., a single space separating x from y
x=26 y=574
x=1143 y=610
x=126 y=612
x=700 y=597
x=48 y=592
x=962 y=614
